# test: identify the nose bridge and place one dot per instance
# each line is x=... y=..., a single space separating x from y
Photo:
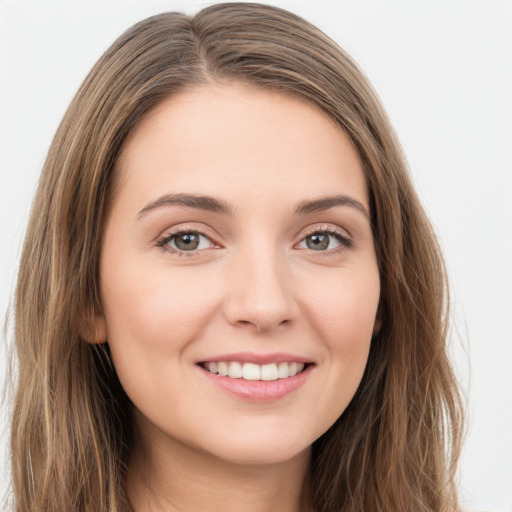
x=260 y=286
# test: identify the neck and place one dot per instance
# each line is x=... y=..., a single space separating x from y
x=167 y=476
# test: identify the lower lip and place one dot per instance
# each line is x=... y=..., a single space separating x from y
x=259 y=390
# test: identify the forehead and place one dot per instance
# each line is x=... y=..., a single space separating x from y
x=227 y=139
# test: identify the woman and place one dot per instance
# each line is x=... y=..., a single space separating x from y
x=229 y=294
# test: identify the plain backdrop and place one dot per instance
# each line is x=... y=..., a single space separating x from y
x=444 y=73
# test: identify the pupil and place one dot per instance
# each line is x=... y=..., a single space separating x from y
x=318 y=241
x=187 y=241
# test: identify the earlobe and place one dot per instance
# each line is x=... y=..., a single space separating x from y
x=95 y=330
x=376 y=326
x=378 y=320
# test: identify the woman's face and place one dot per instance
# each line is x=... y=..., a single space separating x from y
x=238 y=242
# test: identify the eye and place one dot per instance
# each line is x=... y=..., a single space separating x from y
x=185 y=241
x=325 y=240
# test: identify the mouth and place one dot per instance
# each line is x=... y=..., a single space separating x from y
x=257 y=377
x=255 y=372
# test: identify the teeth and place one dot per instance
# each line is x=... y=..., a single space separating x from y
x=283 y=370
x=269 y=372
x=251 y=371
x=235 y=370
x=222 y=368
x=293 y=369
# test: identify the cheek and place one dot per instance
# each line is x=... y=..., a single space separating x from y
x=152 y=318
x=156 y=307
x=343 y=315
x=344 y=310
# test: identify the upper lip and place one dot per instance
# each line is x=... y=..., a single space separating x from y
x=260 y=359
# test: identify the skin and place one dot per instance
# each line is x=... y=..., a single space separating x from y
x=253 y=285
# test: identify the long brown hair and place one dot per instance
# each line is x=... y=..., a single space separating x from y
x=395 y=447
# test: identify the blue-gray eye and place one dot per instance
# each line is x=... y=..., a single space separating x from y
x=189 y=241
x=322 y=240
x=318 y=241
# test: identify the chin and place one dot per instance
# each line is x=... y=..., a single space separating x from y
x=248 y=451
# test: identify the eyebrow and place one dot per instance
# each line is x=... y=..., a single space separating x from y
x=324 y=203
x=214 y=205
x=200 y=202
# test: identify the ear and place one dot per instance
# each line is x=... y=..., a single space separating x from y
x=93 y=328
x=378 y=320
x=377 y=325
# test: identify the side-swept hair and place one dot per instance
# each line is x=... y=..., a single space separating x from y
x=395 y=447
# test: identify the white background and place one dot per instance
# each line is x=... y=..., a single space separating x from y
x=444 y=73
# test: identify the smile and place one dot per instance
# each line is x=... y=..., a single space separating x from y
x=257 y=377
x=252 y=371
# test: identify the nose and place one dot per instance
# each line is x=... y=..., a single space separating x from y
x=260 y=294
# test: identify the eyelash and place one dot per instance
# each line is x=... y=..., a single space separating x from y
x=162 y=242
x=345 y=242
